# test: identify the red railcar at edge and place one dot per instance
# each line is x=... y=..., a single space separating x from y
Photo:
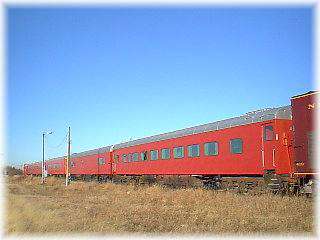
x=304 y=109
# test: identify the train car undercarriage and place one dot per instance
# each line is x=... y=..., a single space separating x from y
x=269 y=182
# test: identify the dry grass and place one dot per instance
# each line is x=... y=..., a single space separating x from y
x=123 y=208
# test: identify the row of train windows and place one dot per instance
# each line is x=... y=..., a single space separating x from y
x=54 y=165
x=101 y=161
x=34 y=167
x=210 y=149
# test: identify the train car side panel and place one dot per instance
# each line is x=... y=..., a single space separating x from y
x=248 y=160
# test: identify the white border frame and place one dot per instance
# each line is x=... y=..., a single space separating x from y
x=132 y=3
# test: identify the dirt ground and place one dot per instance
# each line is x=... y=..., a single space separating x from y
x=126 y=208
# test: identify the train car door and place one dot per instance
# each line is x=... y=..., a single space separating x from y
x=112 y=161
x=99 y=162
x=115 y=161
x=268 y=147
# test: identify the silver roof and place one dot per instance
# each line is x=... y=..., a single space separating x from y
x=250 y=117
x=92 y=152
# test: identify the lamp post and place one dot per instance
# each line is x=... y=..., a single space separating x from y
x=43 y=155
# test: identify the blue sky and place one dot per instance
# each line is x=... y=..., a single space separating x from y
x=118 y=73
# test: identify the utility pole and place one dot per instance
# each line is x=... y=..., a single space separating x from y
x=42 y=167
x=43 y=155
x=68 y=156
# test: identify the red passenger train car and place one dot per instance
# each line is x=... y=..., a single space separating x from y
x=276 y=142
x=246 y=145
x=55 y=166
x=93 y=162
x=32 y=169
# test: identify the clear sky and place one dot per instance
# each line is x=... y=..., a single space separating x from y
x=118 y=73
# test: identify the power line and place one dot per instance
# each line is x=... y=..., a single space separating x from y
x=61 y=143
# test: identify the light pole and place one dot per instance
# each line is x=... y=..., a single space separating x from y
x=43 y=155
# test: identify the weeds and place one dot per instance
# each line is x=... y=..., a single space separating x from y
x=123 y=208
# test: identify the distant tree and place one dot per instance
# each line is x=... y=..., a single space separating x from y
x=9 y=170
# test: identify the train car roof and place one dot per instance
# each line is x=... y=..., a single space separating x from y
x=82 y=154
x=54 y=159
x=92 y=152
x=305 y=94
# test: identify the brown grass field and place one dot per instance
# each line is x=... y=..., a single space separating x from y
x=126 y=208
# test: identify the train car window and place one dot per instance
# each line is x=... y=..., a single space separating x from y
x=268 y=134
x=101 y=161
x=154 y=154
x=211 y=149
x=124 y=158
x=129 y=157
x=178 y=152
x=72 y=164
x=135 y=157
x=194 y=150
x=144 y=156
x=165 y=153
x=236 y=145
